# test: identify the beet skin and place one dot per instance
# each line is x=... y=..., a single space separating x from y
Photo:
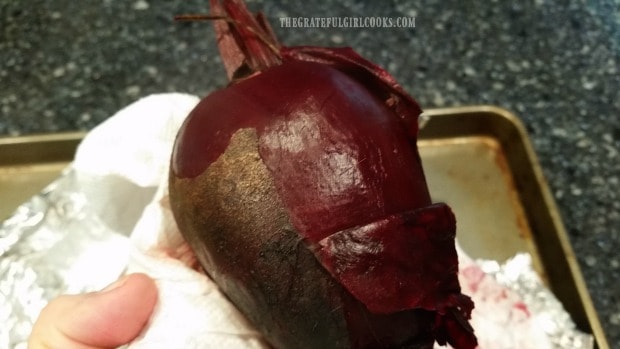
x=301 y=191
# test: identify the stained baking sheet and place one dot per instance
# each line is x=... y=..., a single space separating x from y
x=477 y=159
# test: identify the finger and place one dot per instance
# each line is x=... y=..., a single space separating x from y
x=105 y=319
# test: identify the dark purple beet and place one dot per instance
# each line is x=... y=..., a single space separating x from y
x=301 y=191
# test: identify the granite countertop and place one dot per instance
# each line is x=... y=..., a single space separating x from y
x=68 y=65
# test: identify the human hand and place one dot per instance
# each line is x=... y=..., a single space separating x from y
x=98 y=320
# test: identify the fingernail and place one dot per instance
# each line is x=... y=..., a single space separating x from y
x=116 y=284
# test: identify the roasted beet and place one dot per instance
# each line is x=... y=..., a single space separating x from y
x=301 y=191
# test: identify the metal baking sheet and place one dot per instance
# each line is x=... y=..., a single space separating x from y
x=29 y=163
x=477 y=159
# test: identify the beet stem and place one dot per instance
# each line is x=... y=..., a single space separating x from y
x=267 y=40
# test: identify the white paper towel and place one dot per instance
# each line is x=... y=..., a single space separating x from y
x=122 y=165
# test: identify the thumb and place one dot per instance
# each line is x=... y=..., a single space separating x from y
x=105 y=319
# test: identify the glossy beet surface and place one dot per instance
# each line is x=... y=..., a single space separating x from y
x=338 y=156
x=301 y=191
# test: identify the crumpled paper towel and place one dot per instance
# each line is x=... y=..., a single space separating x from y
x=192 y=313
x=513 y=307
x=109 y=214
x=133 y=148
